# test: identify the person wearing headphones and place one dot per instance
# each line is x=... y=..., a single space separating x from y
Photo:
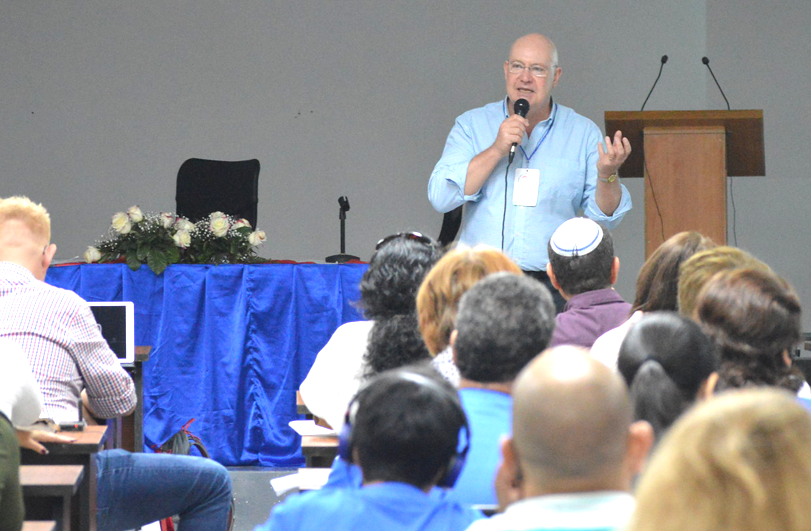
x=404 y=431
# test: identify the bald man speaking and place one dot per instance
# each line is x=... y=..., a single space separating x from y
x=574 y=449
x=559 y=167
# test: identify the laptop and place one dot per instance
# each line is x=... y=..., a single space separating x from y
x=116 y=322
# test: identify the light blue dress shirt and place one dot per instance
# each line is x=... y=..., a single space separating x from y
x=489 y=415
x=563 y=148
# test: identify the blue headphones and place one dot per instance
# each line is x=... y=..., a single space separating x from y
x=457 y=462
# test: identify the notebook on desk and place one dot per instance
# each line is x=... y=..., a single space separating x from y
x=116 y=321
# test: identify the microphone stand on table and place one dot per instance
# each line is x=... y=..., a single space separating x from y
x=342 y=258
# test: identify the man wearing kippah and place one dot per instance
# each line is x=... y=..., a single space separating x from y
x=583 y=268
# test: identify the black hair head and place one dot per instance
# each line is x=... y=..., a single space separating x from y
x=503 y=322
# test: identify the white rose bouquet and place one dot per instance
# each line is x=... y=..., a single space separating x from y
x=160 y=240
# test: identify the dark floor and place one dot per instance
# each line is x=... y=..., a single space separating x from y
x=253 y=494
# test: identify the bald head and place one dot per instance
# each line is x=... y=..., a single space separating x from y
x=536 y=41
x=571 y=417
x=25 y=230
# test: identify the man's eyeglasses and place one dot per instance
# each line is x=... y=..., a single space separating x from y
x=517 y=67
x=416 y=236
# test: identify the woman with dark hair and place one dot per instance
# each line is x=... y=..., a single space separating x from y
x=390 y=338
x=753 y=316
x=656 y=288
x=668 y=363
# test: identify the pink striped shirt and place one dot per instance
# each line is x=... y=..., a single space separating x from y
x=64 y=346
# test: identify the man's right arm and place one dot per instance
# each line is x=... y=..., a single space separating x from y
x=511 y=131
x=464 y=168
x=109 y=390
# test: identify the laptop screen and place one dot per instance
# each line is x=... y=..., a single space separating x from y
x=116 y=321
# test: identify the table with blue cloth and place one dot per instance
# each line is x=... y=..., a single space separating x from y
x=230 y=346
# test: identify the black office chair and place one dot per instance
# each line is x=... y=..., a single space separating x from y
x=206 y=186
x=451 y=222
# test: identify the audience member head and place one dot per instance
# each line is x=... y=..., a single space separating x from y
x=699 y=268
x=404 y=426
x=504 y=321
x=581 y=257
x=25 y=233
x=388 y=296
x=740 y=461
x=454 y=274
x=658 y=281
x=389 y=286
x=668 y=363
x=754 y=318
x=572 y=427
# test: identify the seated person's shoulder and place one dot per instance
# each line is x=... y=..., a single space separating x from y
x=316 y=510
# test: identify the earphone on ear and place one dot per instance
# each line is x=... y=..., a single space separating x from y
x=457 y=461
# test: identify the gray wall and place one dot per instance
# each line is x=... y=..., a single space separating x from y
x=102 y=101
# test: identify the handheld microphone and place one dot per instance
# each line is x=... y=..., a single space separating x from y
x=706 y=61
x=661 y=66
x=521 y=108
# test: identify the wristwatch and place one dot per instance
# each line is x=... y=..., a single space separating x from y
x=611 y=178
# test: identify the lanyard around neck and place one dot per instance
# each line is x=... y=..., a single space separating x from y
x=545 y=134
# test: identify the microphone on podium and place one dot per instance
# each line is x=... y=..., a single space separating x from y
x=661 y=66
x=706 y=61
x=521 y=108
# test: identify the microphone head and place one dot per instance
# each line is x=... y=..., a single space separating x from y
x=664 y=59
x=521 y=107
x=343 y=201
x=705 y=60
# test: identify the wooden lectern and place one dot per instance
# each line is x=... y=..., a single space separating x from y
x=685 y=157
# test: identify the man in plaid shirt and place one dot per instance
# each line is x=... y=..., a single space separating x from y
x=73 y=364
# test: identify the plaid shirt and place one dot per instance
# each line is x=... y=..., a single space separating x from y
x=64 y=346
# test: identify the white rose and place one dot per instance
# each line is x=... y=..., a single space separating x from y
x=119 y=220
x=167 y=220
x=92 y=255
x=136 y=216
x=184 y=224
x=126 y=228
x=219 y=226
x=241 y=222
x=182 y=238
x=216 y=215
x=257 y=237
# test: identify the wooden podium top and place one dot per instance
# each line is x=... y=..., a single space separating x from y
x=745 y=150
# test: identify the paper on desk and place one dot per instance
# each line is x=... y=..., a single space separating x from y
x=305 y=479
x=309 y=427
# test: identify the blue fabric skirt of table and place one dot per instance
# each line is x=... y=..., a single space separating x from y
x=230 y=346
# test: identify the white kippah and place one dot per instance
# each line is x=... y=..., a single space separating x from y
x=576 y=237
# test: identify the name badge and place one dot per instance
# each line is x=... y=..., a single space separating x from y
x=525 y=190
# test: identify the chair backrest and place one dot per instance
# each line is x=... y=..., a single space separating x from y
x=206 y=186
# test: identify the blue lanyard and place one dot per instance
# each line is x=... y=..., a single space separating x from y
x=545 y=134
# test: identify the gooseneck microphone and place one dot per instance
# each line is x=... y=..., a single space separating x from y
x=521 y=108
x=661 y=66
x=706 y=61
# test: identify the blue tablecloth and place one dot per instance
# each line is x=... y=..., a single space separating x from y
x=230 y=346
